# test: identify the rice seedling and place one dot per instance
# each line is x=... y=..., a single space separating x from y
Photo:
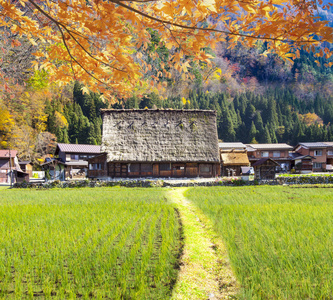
x=279 y=239
x=111 y=243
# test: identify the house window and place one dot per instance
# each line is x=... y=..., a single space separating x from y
x=146 y=168
x=134 y=168
x=95 y=166
x=205 y=168
x=330 y=152
x=83 y=156
x=317 y=165
x=165 y=167
x=318 y=152
x=276 y=154
x=264 y=154
x=74 y=157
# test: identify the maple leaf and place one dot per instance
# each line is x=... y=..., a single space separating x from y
x=96 y=41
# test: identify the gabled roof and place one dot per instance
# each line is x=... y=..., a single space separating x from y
x=295 y=156
x=330 y=144
x=78 y=148
x=230 y=146
x=234 y=157
x=5 y=153
x=250 y=149
x=49 y=160
x=160 y=135
x=313 y=145
x=263 y=160
x=277 y=146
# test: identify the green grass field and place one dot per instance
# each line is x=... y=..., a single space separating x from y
x=279 y=239
x=110 y=243
x=124 y=243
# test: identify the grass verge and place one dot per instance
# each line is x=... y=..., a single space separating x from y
x=205 y=270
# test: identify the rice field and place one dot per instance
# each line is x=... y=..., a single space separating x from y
x=279 y=239
x=109 y=243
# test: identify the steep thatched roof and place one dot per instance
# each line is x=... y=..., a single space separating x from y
x=234 y=157
x=160 y=135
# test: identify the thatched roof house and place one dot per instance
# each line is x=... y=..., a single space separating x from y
x=166 y=143
x=234 y=158
x=232 y=161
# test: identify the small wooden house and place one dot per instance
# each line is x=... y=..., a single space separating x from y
x=7 y=166
x=74 y=158
x=157 y=143
x=232 y=161
x=265 y=169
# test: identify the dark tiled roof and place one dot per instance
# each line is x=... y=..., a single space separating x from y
x=263 y=160
x=314 y=145
x=297 y=155
x=78 y=148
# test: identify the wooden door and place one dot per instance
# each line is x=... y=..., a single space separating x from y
x=117 y=170
x=178 y=170
x=111 y=170
x=156 y=172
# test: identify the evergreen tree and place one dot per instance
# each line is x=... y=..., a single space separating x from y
x=253 y=132
x=91 y=135
x=267 y=137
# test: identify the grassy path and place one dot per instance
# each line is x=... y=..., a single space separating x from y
x=205 y=269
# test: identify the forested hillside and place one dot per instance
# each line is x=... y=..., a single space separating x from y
x=258 y=97
x=275 y=116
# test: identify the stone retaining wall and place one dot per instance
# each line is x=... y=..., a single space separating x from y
x=297 y=180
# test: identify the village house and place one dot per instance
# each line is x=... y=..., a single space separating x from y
x=73 y=158
x=10 y=171
x=157 y=143
x=6 y=165
x=233 y=158
x=317 y=150
x=265 y=168
x=301 y=163
x=329 y=153
x=278 y=152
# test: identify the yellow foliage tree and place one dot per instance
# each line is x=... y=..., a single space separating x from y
x=95 y=41
x=311 y=118
x=60 y=119
x=6 y=126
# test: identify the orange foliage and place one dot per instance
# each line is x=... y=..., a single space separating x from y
x=95 y=41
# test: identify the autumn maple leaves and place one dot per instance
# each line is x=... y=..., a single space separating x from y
x=99 y=42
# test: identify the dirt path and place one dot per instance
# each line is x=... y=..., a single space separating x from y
x=205 y=269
